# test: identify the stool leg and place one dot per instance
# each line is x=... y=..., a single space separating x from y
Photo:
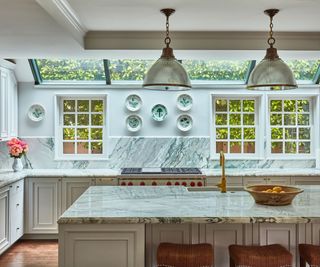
x=302 y=262
x=232 y=263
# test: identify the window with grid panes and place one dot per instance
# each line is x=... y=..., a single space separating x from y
x=83 y=126
x=290 y=126
x=235 y=125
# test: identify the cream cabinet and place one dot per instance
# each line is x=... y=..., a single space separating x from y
x=72 y=189
x=110 y=245
x=8 y=103
x=232 y=181
x=48 y=198
x=266 y=180
x=306 y=180
x=4 y=219
x=172 y=233
x=16 y=210
x=43 y=205
x=283 y=234
x=221 y=236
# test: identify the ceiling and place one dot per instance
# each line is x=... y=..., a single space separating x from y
x=191 y=15
x=57 y=28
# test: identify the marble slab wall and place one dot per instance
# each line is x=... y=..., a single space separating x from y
x=142 y=152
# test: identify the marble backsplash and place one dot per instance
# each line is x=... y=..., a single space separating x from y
x=142 y=152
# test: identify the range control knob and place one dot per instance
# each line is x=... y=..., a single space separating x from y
x=123 y=183
x=169 y=183
x=184 y=183
x=130 y=183
x=192 y=184
x=176 y=183
x=142 y=183
x=199 y=184
x=154 y=183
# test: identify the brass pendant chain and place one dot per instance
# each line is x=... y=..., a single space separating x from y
x=271 y=40
x=167 y=40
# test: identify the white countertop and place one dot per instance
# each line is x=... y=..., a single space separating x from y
x=175 y=204
x=8 y=176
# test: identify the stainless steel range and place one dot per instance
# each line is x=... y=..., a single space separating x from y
x=162 y=176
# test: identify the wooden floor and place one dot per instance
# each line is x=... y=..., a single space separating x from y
x=31 y=254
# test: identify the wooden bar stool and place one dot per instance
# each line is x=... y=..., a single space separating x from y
x=309 y=254
x=260 y=256
x=180 y=255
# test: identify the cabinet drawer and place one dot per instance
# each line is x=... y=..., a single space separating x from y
x=107 y=181
x=16 y=213
x=254 y=180
x=231 y=181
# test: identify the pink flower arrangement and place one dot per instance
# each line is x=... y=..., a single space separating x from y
x=17 y=148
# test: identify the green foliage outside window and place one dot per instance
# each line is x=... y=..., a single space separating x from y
x=216 y=70
x=235 y=125
x=304 y=69
x=135 y=69
x=71 y=69
x=82 y=126
x=290 y=126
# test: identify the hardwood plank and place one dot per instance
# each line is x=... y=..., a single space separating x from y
x=31 y=253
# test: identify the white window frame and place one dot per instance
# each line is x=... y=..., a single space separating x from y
x=259 y=122
x=314 y=125
x=58 y=118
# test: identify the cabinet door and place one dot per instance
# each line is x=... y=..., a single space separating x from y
x=279 y=180
x=306 y=180
x=4 y=219
x=16 y=210
x=254 y=180
x=283 y=234
x=232 y=181
x=221 y=236
x=172 y=233
x=44 y=205
x=4 y=105
x=72 y=189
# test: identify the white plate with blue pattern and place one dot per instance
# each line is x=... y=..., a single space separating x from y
x=36 y=112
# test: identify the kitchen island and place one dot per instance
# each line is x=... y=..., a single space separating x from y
x=122 y=226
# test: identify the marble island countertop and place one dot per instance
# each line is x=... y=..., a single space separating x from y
x=109 y=204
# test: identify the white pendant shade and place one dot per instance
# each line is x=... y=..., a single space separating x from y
x=271 y=74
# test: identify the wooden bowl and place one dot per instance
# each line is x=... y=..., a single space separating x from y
x=273 y=199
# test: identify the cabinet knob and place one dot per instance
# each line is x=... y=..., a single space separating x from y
x=18 y=228
x=18 y=204
x=18 y=186
x=10 y=186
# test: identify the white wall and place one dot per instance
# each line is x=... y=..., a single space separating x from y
x=200 y=111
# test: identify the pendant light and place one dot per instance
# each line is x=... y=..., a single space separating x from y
x=272 y=73
x=167 y=73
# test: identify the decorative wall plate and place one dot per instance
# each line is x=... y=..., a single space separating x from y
x=159 y=112
x=36 y=112
x=134 y=123
x=133 y=102
x=184 y=123
x=184 y=102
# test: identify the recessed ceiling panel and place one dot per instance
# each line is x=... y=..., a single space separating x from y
x=204 y=15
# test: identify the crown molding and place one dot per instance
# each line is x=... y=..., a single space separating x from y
x=148 y=40
x=62 y=12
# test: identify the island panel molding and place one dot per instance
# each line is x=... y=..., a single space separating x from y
x=102 y=245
